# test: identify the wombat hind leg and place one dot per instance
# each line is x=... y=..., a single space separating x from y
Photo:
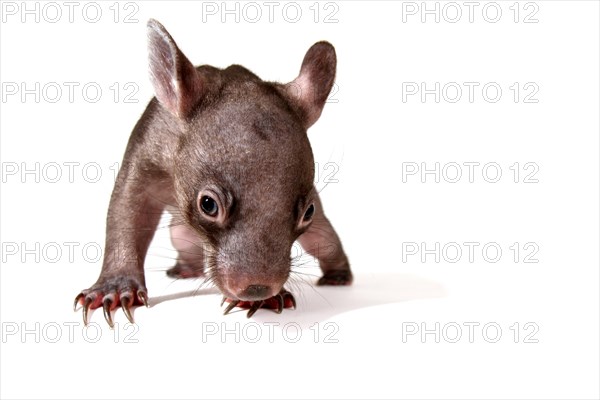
x=185 y=271
x=190 y=253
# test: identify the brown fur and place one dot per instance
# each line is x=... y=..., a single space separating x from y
x=227 y=134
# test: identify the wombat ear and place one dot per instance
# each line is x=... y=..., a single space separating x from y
x=311 y=88
x=177 y=84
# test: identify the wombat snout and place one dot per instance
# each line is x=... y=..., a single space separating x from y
x=255 y=292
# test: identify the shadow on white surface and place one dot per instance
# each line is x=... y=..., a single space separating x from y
x=154 y=301
x=321 y=303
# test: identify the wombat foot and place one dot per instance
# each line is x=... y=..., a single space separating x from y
x=111 y=293
x=186 y=271
x=278 y=302
x=340 y=277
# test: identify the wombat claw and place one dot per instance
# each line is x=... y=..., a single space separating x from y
x=124 y=301
x=255 y=306
x=283 y=299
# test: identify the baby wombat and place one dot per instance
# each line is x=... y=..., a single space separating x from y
x=227 y=154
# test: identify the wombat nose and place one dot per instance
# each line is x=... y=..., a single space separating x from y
x=255 y=292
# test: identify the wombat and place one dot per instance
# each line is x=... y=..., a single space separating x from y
x=228 y=155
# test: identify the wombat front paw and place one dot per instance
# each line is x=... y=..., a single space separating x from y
x=278 y=302
x=334 y=277
x=111 y=293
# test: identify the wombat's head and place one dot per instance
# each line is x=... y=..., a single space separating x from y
x=243 y=166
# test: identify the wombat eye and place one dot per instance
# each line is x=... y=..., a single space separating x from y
x=309 y=213
x=209 y=206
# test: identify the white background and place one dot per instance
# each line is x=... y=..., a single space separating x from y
x=369 y=133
